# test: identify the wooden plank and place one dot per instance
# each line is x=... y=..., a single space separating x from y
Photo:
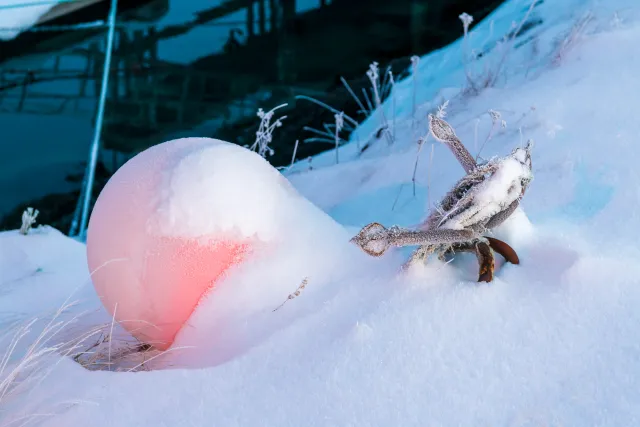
x=226 y=8
x=262 y=17
x=250 y=21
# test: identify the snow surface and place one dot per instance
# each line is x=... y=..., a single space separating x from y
x=221 y=189
x=13 y=20
x=552 y=341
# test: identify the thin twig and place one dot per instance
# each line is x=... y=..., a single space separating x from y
x=113 y=319
x=297 y=292
x=415 y=166
x=293 y=157
x=158 y=355
x=397 y=197
x=429 y=176
x=353 y=95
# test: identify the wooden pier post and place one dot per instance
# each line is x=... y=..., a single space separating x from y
x=3 y=81
x=250 y=20
x=288 y=11
x=184 y=97
x=262 y=17
x=125 y=44
x=114 y=85
x=23 y=92
x=97 y=63
x=286 y=62
x=274 y=15
x=153 y=47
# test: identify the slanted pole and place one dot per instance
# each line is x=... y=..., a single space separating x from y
x=95 y=144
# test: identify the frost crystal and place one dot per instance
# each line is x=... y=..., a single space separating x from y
x=28 y=219
x=339 y=124
x=415 y=60
x=264 y=133
x=442 y=110
x=339 y=121
x=374 y=72
x=466 y=21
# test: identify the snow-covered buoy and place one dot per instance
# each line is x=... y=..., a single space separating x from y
x=173 y=221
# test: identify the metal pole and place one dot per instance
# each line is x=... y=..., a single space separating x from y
x=95 y=144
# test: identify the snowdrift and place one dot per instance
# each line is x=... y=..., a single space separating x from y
x=552 y=341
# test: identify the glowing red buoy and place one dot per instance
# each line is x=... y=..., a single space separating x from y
x=153 y=258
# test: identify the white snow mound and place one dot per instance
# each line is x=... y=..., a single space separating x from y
x=221 y=187
x=551 y=341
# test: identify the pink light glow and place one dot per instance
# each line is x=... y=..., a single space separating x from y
x=156 y=281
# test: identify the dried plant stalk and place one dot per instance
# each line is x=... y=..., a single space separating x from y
x=297 y=292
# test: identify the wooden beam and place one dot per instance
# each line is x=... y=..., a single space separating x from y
x=288 y=11
x=262 y=17
x=274 y=15
x=250 y=20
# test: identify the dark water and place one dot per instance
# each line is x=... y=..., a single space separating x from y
x=194 y=68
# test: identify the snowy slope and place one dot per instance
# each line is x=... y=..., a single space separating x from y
x=550 y=342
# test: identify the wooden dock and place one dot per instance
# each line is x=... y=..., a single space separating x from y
x=285 y=54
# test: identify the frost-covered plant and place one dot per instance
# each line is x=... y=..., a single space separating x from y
x=466 y=22
x=572 y=38
x=392 y=82
x=441 y=113
x=293 y=156
x=616 y=22
x=293 y=159
x=371 y=102
x=328 y=134
x=34 y=364
x=496 y=122
x=339 y=124
x=507 y=46
x=373 y=73
x=374 y=78
x=264 y=134
x=475 y=135
x=442 y=110
x=28 y=219
x=503 y=47
x=415 y=61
